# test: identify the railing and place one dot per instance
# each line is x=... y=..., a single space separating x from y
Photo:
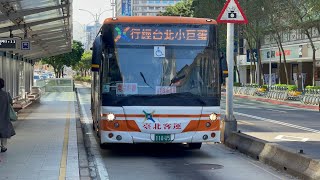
x=60 y=85
x=278 y=93
x=311 y=97
x=252 y=91
x=55 y=85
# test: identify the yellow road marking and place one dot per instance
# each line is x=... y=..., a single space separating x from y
x=245 y=122
x=63 y=162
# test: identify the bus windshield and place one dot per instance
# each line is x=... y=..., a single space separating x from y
x=163 y=75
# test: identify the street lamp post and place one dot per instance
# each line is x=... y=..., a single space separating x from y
x=270 y=71
x=113 y=5
x=96 y=18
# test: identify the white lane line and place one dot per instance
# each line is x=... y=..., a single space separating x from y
x=291 y=138
x=245 y=122
x=275 y=110
x=278 y=122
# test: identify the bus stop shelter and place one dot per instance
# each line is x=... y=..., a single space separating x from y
x=31 y=30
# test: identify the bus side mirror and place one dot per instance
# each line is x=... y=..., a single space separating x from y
x=96 y=54
x=223 y=69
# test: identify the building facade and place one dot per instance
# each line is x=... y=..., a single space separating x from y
x=91 y=33
x=142 y=7
x=298 y=53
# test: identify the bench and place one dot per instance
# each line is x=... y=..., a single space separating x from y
x=35 y=94
x=20 y=103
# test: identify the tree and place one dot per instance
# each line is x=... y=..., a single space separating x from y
x=306 y=17
x=67 y=59
x=84 y=65
x=277 y=13
x=183 y=8
x=211 y=9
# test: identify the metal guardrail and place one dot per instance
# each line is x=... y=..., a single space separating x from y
x=278 y=94
x=55 y=85
x=245 y=91
x=311 y=97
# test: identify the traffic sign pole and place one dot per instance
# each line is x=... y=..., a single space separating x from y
x=230 y=123
x=230 y=14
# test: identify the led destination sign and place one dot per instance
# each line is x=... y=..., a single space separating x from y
x=8 y=43
x=197 y=35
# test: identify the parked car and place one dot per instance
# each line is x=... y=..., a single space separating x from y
x=44 y=76
x=51 y=75
x=36 y=77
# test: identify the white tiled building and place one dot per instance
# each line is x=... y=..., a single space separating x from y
x=142 y=7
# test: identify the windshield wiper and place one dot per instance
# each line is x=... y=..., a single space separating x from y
x=176 y=79
x=144 y=79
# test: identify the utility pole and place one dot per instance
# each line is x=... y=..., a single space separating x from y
x=230 y=121
x=96 y=18
x=113 y=6
x=230 y=14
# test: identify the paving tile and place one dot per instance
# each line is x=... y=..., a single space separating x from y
x=37 y=155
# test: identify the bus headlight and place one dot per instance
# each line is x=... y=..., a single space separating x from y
x=111 y=117
x=213 y=117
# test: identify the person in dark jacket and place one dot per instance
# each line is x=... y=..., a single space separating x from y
x=6 y=128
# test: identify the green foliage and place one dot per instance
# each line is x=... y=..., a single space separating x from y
x=81 y=78
x=236 y=84
x=67 y=59
x=85 y=63
x=288 y=87
x=252 y=85
x=183 y=8
x=312 y=87
x=211 y=9
x=292 y=87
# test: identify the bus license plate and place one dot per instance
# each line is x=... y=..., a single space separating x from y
x=162 y=137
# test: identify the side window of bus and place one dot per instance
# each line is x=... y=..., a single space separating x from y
x=114 y=73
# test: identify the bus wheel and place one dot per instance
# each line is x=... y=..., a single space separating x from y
x=105 y=146
x=195 y=145
x=93 y=125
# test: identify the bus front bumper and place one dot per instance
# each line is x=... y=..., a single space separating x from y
x=139 y=137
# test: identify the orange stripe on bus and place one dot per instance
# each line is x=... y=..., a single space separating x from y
x=196 y=125
x=128 y=126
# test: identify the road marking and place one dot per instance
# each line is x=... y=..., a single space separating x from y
x=278 y=122
x=63 y=162
x=291 y=138
x=277 y=110
x=245 y=122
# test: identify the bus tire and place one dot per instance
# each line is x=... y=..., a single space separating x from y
x=93 y=125
x=105 y=146
x=195 y=145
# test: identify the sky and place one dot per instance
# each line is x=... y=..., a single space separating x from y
x=82 y=18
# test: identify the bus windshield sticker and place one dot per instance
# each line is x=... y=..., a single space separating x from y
x=159 y=51
x=106 y=88
x=141 y=34
x=126 y=88
x=166 y=89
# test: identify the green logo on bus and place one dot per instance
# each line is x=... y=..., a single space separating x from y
x=121 y=34
x=148 y=116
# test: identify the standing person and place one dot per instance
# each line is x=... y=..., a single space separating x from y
x=6 y=128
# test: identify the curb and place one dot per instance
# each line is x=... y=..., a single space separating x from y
x=91 y=145
x=281 y=158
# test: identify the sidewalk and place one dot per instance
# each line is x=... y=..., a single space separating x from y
x=45 y=145
x=296 y=104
